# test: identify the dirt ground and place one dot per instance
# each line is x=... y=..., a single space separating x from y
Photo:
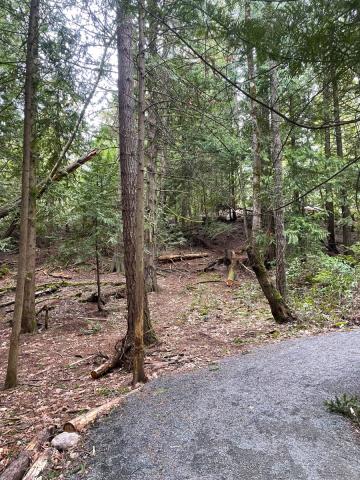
x=197 y=318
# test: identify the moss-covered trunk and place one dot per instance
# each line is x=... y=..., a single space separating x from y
x=279 y=309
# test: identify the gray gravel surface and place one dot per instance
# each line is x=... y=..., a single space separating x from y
x=256 y=416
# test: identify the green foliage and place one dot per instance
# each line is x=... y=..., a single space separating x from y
x=92 y=329
x=169 y=235
x=4 y=270
x=213 y=229
x=348 y=406
x=6 y=245
x=322 y=286
x=305 y=233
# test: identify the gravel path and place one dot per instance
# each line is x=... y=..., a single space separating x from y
x=258 y=416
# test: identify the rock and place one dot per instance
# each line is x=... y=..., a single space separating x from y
x=65 y=440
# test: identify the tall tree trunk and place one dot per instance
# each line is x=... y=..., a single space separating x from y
x=329 y=204
x=152 y=154
x=29 y=114
x=256 y=222
x=146 y=332
x=132 y=346
x=276 y=151
x=345 y=210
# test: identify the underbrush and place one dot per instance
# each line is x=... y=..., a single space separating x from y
x=347 y=406
x=322 y=287
x=213 y=229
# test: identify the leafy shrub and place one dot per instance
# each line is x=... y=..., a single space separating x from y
x=322 y=286
x=6 y=245
x=305 y=232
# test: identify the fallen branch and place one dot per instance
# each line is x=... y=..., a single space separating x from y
x=211 y=266
x=86 y=359
x=78 y=424
x=17 y=469
x=180 y=257
x=58 y=275
x=43 y=186
x=209 y=281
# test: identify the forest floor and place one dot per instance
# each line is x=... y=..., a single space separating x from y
x=198 y=320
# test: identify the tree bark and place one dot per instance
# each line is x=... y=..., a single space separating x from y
x=279 y=309
x=256 y=179
x=329 y=204
x=138 y=367
x=345 y=210
x=98 y=280
x=152 y=154
x=29 y=114
x=280 y=240
x=131 y=352
x=28 y=320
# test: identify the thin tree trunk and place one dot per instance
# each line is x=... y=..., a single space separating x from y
x=256 y=221
x=329 y=204
x=28 y=320
x=138 y=370
x=29 y=113
x=98 y=281
x=152 y=154
x=118 y=257
x=276 y=151
x=345 y=210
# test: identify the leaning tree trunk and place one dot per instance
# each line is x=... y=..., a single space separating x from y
x=280 y=240
x=29 y=114
x=279 y=309
x=345 y=210
x=329 y=204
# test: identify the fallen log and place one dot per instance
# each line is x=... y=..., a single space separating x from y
x=54 y=287
x=17 y=468
x=80 y=423
x=37 y=294
x=102 y=369
x=58 y=275
x=181 y=256
x=37 y=468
